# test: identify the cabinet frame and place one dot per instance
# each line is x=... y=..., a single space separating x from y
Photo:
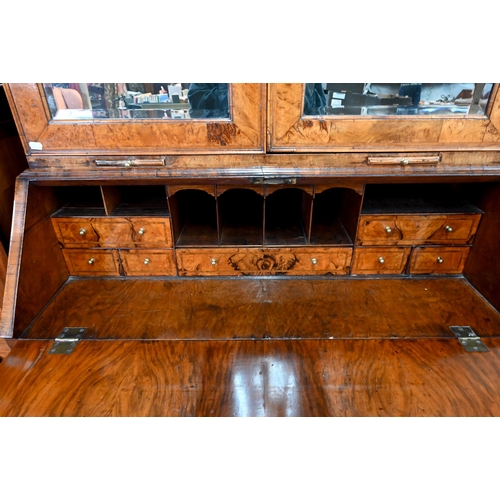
x=242 y=133
x=289 y=131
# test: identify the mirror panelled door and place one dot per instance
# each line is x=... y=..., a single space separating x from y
x=140 y=118
x=384 y=116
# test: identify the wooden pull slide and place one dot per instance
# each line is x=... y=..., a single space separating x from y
x=403 y=160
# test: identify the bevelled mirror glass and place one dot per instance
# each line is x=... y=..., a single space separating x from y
x=90 y=101
x=389 y=99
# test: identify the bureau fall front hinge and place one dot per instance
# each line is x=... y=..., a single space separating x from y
x=468 y=338
x=67 y=340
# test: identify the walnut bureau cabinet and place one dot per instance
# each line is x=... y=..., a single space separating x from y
x=354 y=213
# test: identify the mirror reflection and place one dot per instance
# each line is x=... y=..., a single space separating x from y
x=385 y=99
x=170 y=101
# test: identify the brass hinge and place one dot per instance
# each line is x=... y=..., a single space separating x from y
x=273 y=180
x=468 y=338
x=66 y=342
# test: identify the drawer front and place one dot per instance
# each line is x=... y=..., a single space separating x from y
x=291 y=261
x=383 y=260
x=443 y=260
x=92 y=262
x=148 y=262
x=417 y=229
x=74 y=232
x=112 y=232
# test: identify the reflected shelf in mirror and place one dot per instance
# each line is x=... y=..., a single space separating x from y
x=156 y=101
x=396 y=99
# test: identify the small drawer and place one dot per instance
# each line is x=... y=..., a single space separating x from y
x=148 y=262
x=134 y=231
x=75 y=232
x=237 y=261
x=113 y=232
x=417 y=229
x=92 y=262
x=383 y=260
x=442 y=260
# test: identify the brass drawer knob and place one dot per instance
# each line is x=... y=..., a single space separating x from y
x=314 y=261
x=83 y=231
x=91 y=261
x=388 y=229
x=439 y=260
x=449 y=229
x=213 y=262
x=141 y=230
x=404 y=161
x=146 y=261
x=381 y=260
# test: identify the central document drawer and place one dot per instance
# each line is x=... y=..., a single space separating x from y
x=258 y=261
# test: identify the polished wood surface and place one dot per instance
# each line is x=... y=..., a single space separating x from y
x=425 y=377
x=17 y=368
x=256 y=261
x=113 y=232
x=290 y=131
x=415 y=230
x=438 y=260
x=4 y=349
x=280 y=308
x=244 y=132
x=382 y=260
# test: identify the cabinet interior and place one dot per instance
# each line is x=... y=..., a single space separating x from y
x=334 y=217
x=123 y=201
x=305 y=223
x=75 y=200
x=241 y=215
x=195 y=216
x=443 y=198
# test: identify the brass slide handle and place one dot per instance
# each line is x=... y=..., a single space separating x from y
x=403 y=160
x=130 y=163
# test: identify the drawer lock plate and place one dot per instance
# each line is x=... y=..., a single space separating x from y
x=468 y=338
x=66 y=342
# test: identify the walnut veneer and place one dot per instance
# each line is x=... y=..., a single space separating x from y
x=198 y=233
